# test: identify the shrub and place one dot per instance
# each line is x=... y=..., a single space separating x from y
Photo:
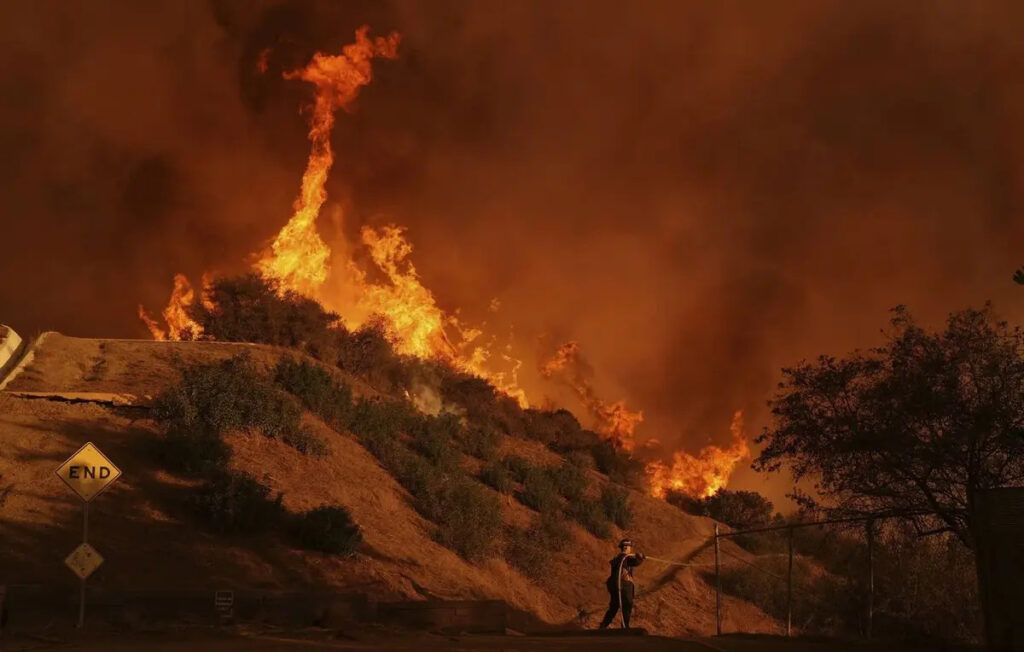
x=619 y=466
x=530 y=550
x=738 y=509
x=251 y=308
x=615 y=503
x=468 y=518
x=422 y=479
x=369 y=353
x=215 y=398
x=539 y=492
x=306 y=442
x=236 y=503
x=497 y=477
x=192 y=451
x=519 y=467
x=434 y=438
x=580 y=459
x=317 y=390
x=327 y=529
x=481 y=443
x=590 y=515
x=569 y=480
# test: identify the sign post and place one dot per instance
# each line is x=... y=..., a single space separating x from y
x=88 y=472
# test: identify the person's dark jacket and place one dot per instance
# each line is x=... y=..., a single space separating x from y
x=624 y=564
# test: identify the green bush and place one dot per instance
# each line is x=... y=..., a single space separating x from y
x=236 y=503
x=590 y=515
x=497 y=477
x=615 y=504
x=327 y=529
x=468 y=518
x=481 y=443
x=317 y=389
x=539 y=492
x=530 y=550
x=519 y=467
x=569 y=480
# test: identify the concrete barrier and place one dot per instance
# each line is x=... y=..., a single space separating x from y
x=10 y=345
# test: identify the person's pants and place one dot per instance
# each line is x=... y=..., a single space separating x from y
x=613 y=605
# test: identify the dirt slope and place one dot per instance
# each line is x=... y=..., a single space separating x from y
x=148 y=542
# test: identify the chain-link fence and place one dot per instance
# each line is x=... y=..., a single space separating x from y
x=850 y=578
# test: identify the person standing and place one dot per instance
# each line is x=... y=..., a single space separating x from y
x=621 y=589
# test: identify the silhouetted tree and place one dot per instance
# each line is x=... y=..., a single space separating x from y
x=917 y=425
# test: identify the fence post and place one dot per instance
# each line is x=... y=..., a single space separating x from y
x=871 y=576
x=718 y=588
x=789 y=587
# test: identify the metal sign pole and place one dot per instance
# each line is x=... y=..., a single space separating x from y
x=718 y=588
x=85 y=539
x=789 y=588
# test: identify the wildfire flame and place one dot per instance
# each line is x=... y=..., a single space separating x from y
x=703 y=474
x=299 y=257
x=613 y=420
x=301 y=261
x=179 y=325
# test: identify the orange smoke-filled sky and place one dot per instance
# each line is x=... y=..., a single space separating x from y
x=698 y=193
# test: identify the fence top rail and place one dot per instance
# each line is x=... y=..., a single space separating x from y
x=851 y=519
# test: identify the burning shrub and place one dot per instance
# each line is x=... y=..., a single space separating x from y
x=327 y=529
x=590 y=514
x=530 y=550
x=615 y=502
x=236 y=503
x=497 y=477
x=318 y=391
x=569 y=480
x=251 y=308
x=468 y=518
x=539 y=491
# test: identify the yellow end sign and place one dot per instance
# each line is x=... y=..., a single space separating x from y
x=88 y=472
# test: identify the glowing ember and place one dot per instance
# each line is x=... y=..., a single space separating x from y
x=613 y=420
x=704 y=474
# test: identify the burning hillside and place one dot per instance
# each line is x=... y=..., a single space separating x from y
x=298 y=260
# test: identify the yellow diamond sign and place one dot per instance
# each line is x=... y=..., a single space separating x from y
x=88 y=472
x=83 y=560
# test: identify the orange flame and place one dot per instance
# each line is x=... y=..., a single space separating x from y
x=613 y=420
x=179 y=325
x=702 y=475
x=298 y=256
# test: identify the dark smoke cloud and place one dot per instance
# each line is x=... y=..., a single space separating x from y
x=698 y=193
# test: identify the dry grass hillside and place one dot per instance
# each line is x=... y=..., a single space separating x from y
x=63 y=397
